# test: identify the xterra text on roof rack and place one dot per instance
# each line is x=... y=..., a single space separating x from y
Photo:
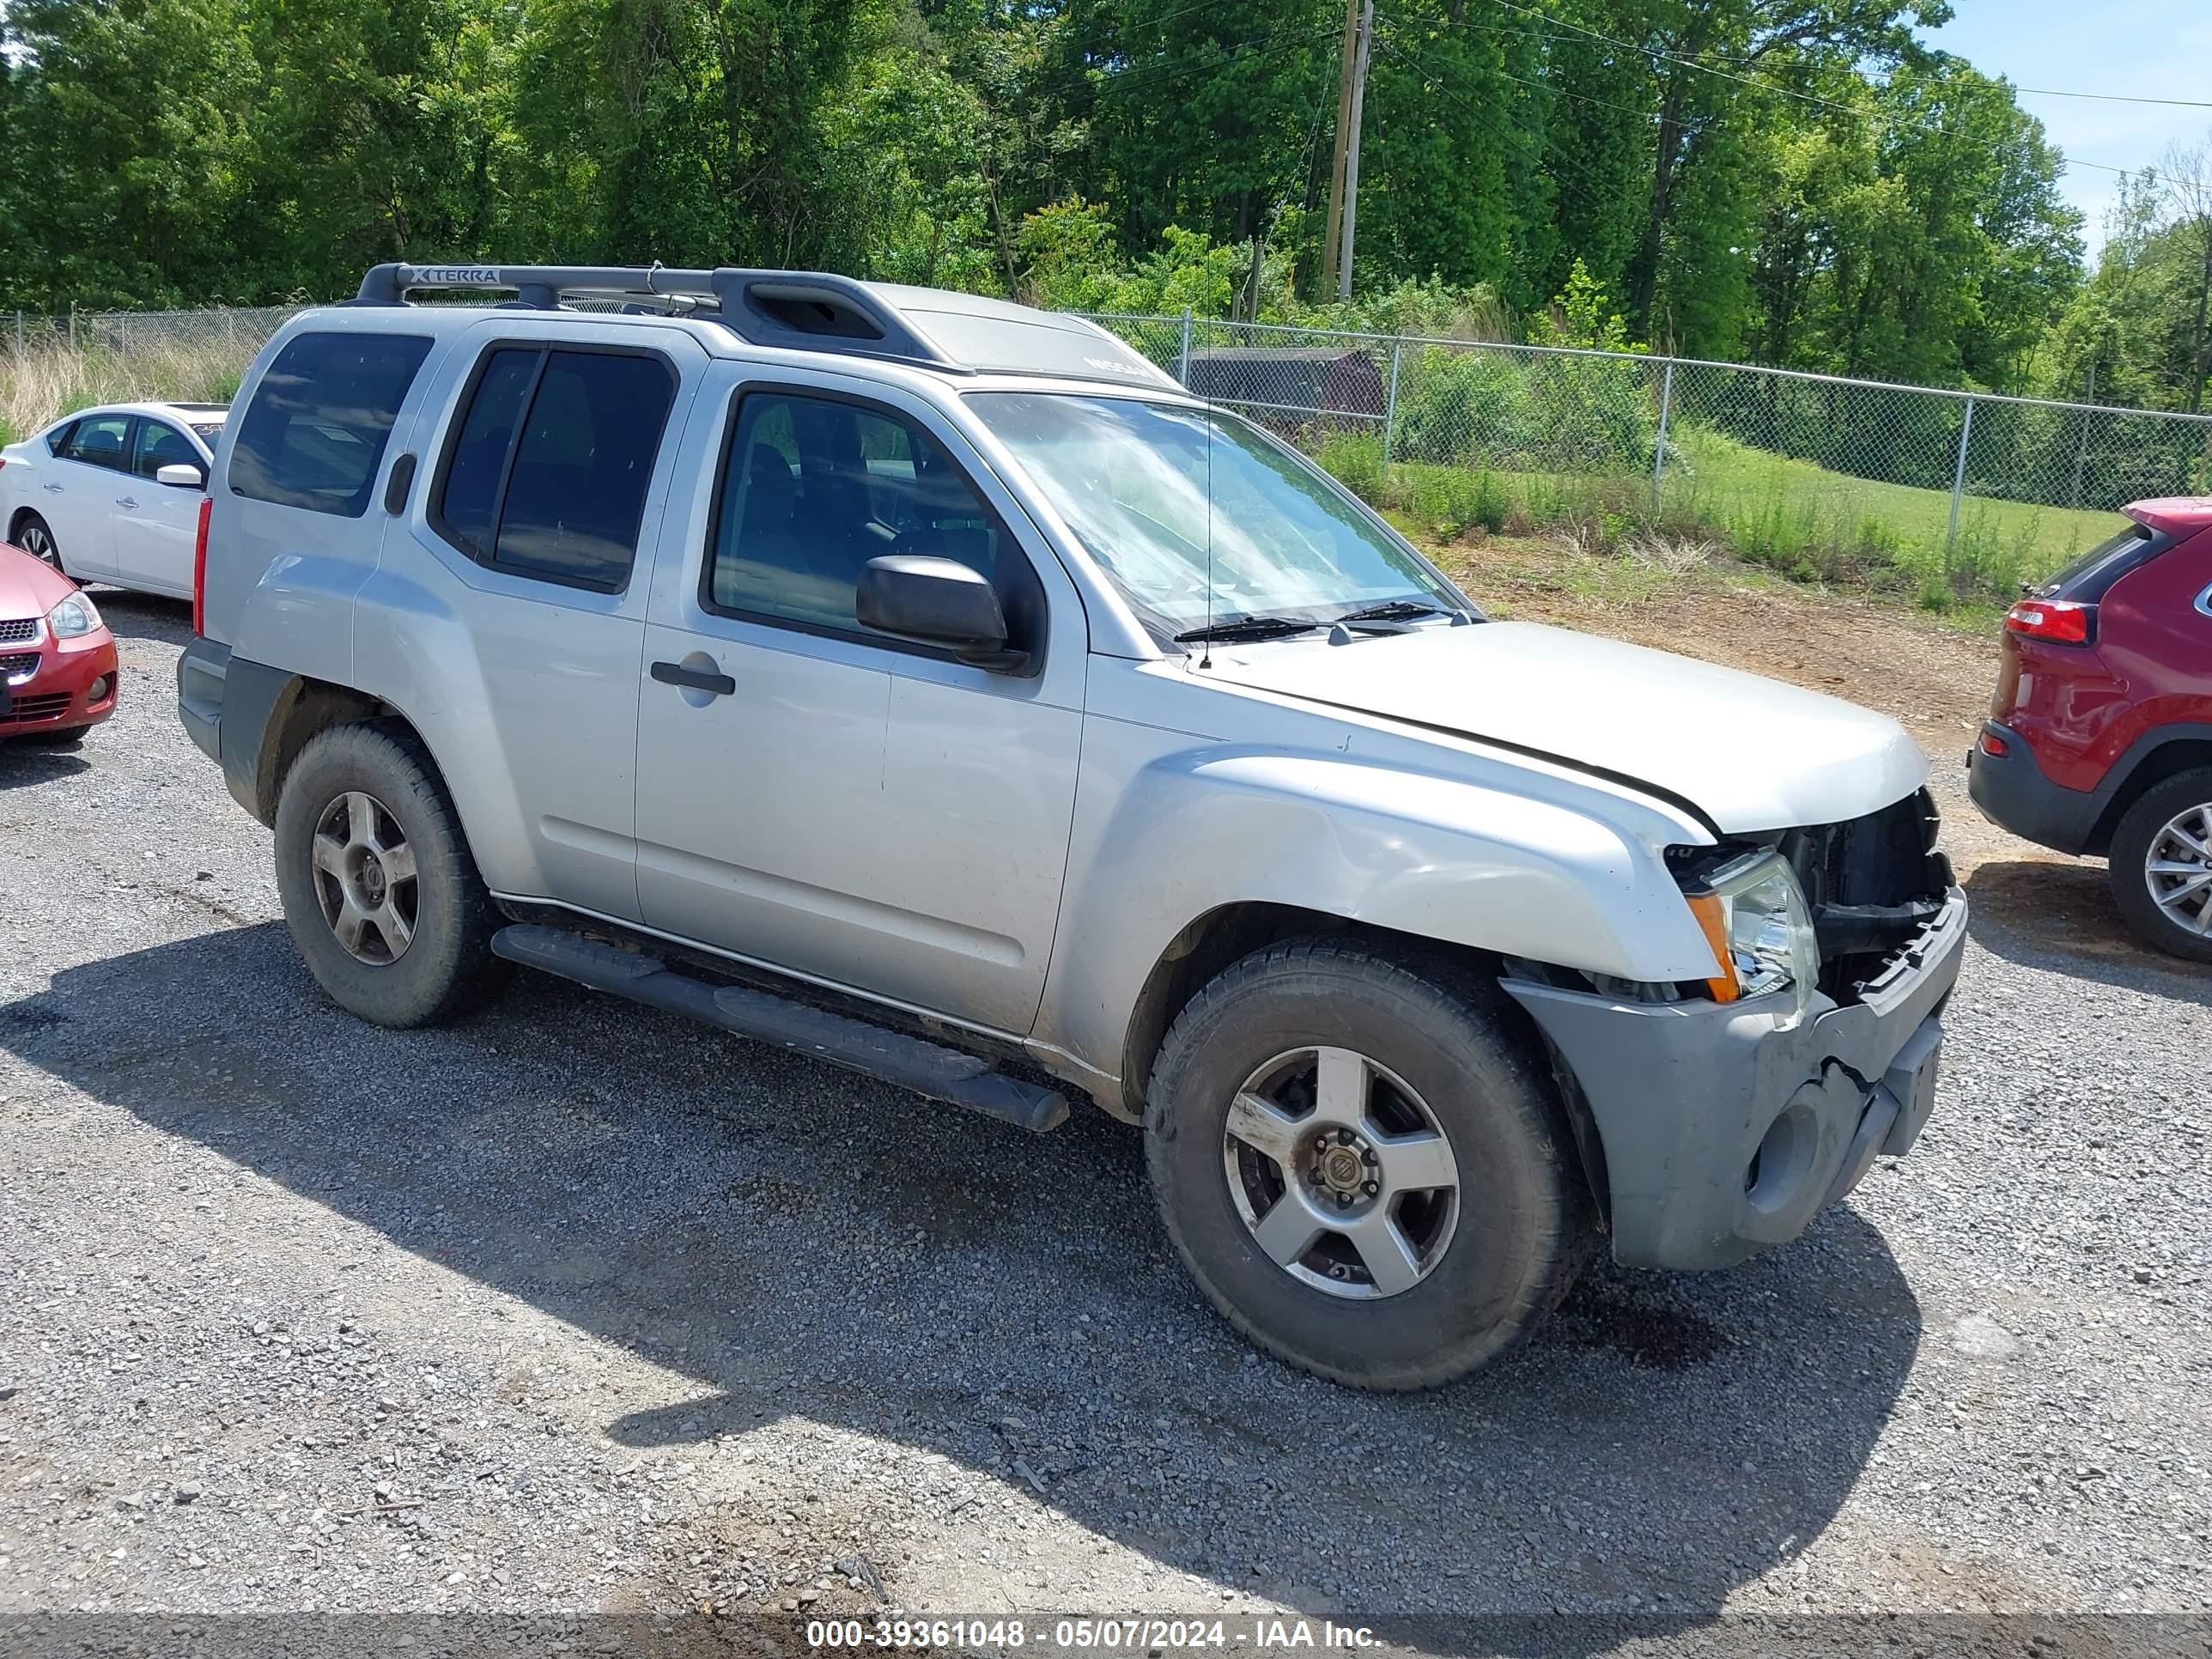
x=928 y=683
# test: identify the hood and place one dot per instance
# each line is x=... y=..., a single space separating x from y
x=1749 y=753
x=29 y=587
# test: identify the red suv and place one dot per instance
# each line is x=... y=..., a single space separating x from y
x=2099 y=738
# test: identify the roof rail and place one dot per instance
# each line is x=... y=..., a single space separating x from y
x=798 y=310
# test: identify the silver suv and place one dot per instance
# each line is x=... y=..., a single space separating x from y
x=925 y=683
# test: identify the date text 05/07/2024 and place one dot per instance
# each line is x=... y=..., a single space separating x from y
x=1086 y=1635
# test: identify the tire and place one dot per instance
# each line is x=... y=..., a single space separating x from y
x=36 y=538
x=1434 y=1045
x=420 y=922
x=2160 y=830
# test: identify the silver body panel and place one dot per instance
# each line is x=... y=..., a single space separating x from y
x=1013 y=855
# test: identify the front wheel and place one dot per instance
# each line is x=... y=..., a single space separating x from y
x=378 y=890
x=2161 y=866
x=1359 y=1166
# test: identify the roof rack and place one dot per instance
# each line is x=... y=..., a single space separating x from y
x=798 y=310
x=813 y=311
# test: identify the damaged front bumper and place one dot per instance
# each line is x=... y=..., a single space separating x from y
x=1724 y=1128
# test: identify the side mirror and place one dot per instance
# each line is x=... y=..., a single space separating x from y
x=937 y=602
x=182 y=475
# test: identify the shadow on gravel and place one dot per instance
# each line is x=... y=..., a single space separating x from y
x=25 y=765
x=2060 y=916
x=798 y=1243
x=143 y=615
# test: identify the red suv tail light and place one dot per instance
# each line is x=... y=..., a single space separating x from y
x=2061 y=622
x=199 y=568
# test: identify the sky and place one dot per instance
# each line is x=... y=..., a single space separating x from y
x=2144 y=48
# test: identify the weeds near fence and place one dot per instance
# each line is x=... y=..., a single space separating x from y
x=1721 y=496
x=50 y=378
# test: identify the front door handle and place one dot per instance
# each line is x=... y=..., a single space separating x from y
x=51 y=488
x=698 y=679
x=124 y=501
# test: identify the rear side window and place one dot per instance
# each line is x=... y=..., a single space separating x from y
x=314 y=434
x=96 y=440
x=546 y=471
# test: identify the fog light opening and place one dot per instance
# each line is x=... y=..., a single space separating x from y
x=102 y=688
x=1779 y=1169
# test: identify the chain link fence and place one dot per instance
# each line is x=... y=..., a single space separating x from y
x=51 y=365
x=1953 y=493
x=1818 y=474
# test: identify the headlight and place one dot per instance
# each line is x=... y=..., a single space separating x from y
x=1755 y=917
x=73 y=618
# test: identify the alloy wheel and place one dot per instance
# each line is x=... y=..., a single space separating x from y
x=1341 y=1173
x=39 y=542
x=2179 y=869
x=364 y=874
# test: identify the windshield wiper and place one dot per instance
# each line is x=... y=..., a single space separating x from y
x=1393 y=610
x=1248 y=627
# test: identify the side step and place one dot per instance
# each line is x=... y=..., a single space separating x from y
x=928 y=1068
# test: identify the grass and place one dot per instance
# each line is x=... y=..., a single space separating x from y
x=1805 y=521
x=49 y=381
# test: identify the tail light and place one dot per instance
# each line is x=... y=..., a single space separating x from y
x=199 y=568
x=2060 y=621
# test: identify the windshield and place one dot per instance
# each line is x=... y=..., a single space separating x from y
x=1148 y=485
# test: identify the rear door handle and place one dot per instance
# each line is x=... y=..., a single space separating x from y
x=698 y=679
x=51 y=488
x=124 y=501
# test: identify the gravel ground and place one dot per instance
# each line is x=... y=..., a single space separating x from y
x=574 y=1307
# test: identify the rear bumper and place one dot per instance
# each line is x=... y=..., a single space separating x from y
x=203 y=673
x=2011 y=791
x=230 y=704
x=74 y=685
x=1724 y=1129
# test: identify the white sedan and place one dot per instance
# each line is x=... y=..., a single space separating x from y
x=89 y=496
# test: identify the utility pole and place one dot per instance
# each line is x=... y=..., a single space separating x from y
x=1348 y=68
x=1351 y=151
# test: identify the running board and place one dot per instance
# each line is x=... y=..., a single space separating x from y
x=928 y=1068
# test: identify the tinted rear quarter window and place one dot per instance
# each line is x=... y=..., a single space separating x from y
x=315 y=432
x=548 y=470
x=97 y=440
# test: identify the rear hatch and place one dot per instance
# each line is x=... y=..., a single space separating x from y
x=2063 y=611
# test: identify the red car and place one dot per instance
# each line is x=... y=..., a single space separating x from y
x=2099 y=738
x=58 y=672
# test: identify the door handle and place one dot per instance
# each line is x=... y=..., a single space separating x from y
x=51 y=488
x=697 y=680
x=124 y=501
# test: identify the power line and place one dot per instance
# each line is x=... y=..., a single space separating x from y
x=1600 y=190
x=1814 y=99
x=1238 y=51
x=2115 y=98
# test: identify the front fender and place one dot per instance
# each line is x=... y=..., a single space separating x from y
x=1163 y=841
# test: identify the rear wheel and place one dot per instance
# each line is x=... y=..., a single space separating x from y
x=378 y=890
x=2161 y=866
x=35 y=538
x=1359 y=1166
